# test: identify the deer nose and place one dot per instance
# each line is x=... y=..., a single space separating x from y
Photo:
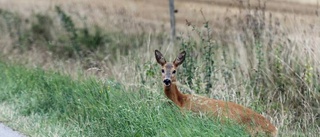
x=167 y=82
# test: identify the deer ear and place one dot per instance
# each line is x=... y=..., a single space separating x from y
x=159 y=57
x=179 y=60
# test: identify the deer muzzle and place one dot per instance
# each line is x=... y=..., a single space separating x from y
x=167 y=82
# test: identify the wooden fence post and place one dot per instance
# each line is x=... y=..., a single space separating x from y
x=172 y=21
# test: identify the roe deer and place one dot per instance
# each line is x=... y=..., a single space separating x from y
x=254 y=122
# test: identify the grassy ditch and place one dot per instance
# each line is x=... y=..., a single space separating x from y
x=88 y=107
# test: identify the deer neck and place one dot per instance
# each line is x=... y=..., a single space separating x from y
x=175 y=95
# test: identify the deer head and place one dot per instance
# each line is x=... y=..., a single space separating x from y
x=169 y=69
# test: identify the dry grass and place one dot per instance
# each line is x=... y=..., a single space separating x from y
x=298 y=18
x=152 y=16
x=156 y=12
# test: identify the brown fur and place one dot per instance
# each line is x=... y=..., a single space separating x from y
x=254 y=122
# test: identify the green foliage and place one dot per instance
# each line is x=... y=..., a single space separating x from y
x=189 y=66
x=81 y=39
x=208 y=58
x=11 y=23
x=41 y=28
x=67 y=22
x=257 y=76
x=206 y=55
x=101 y=108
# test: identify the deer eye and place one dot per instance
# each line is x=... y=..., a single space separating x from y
x=174 y=72
x=162 y=70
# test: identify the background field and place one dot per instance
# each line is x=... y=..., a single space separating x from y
x=261 y=54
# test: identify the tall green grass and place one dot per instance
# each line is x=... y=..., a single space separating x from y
x=96 y=108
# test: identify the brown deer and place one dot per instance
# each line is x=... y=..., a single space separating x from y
x=255 y=123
